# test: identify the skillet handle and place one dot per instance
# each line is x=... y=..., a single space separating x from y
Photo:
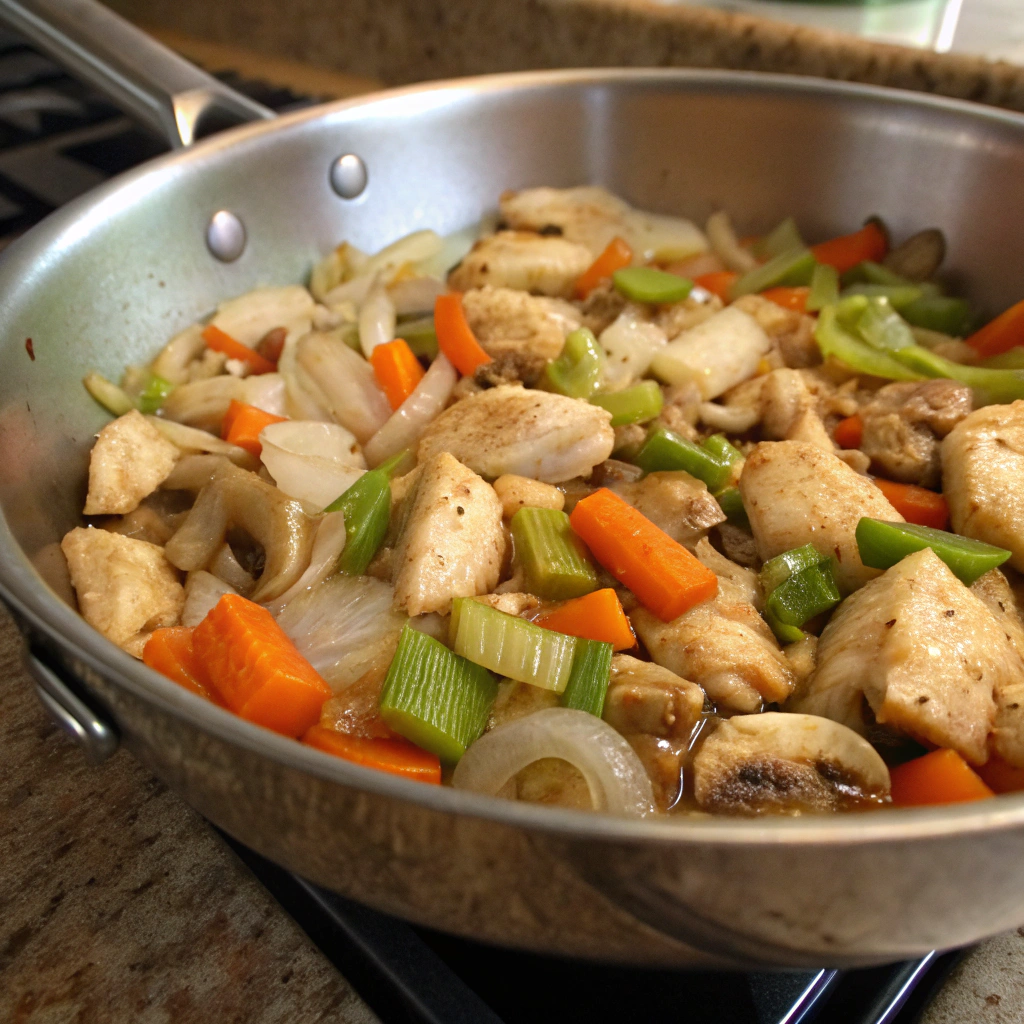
x=137 y=73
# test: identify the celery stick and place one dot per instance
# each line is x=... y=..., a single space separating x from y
x=554 y=561
x=434 y=698
x=666 y=450
x=783 y=238
x=588 y=680
x=899 y=295
x=647 y=284
x=869 y=272
x=154 y=394
x=633 y=405
x=731 y=503
x=794 y=267
x=367 y=508
x=511 y=646
x=722 y=450
x=777 y=570
x=883 y=328
x=109 y=395
x=824 y=288
x=420 y=336
x=939 y=313
x=578 y=370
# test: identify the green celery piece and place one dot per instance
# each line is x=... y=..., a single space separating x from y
x=633 y=405
x=578 y=370
x=108 y=394
x=883 y=328
x=869 y=272
x=939 y=313
x=434 y=698
x=647 y=284
x=795 y=267
x=990 y=387
x=882 y=544
x=805 y=594
x=511 y=646
x=666 y=450
x=154 y=394
x=785 y=237
x=589 y=678
x=553 y=559
x=730 y=501
x=824 y=287
x=722 y=450
x=899 y=295
x=833 y=340
x=420 y=336
x=1012 y=360
x=777 y=570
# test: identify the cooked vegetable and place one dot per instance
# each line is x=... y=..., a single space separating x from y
x=589 y=678
x=436 y=699
x=397 y=370
x=806 y=593
x=718 y=445
x=785 y=237
x=597 y=616
x=154 y=394
x=109 y=395
x=849 y=432
x=665 y=577
x=511 y=646
x=666 y=450
x=884 y=544
x=454 y=335
x=577 y=371
x=794 y=298
x=219 y=341
x=420 y=336
x=395 y=756
x=1000 y=335
x=899 y=296
x=242 y=424
x=169 y=651
x=919 y=257
x=718 y=282
x=794 y=267
x=916 y=504
x=939 y=313
x=633 y=405
x=731 y=503
x=726 y=246
x=648 y=284
x=834 y=340
x=616 y=255
x=941 y=777
x=554 y=563
x=777 y=570
x=844 y=253
x=376 y=318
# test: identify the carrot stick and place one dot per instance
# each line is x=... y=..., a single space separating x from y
x=1002 y=334
x=1000 y=776
x=242 y=425
x=597 y=616
x=788 y=298
x=916 y=504
x=718 y=283
x=617 y=254
x=844 y=253
x=941 y=777
x=170 y=652
x=397 y=370
x=220 y=341
x=850 y=432
x=666 y=578
x=254 y=667
x=397 y=756
x=455 y=338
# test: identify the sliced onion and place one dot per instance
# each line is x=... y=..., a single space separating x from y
x=350 y=293
x=338 y=265
x=411 y=418
x=202 y=591
x=412 y=248
x=733 y=419
x=725 y=244
x=411 y=295
x=312 y=461
x=172 y=363
x=302 y=399
x=250 y=316
x=191 y=439
x=327 y=549
x=266 y=391
x=614 y=775
x=376 y=319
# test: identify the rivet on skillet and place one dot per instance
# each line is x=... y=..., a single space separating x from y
x=348 y=176
x=225 y=236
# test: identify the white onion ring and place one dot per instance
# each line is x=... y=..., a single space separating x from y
x=327 y=548
x=376 y=319
x=310 y=460
x=191 y=439
x=614 y=775
x=725 y=244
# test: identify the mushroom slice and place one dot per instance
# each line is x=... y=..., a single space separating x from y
x=237 y=498
x=781 y=763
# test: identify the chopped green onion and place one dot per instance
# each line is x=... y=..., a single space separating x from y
x=795 y=267
x=730 y=501
x=805 y=594
x=511 y=646
x=883 y=328
x=722 y=450
x=420 y=336
x=777 y=570
x=109 y=395
x=784 y=633
x=646 y=284
x=824 y=287
x=554 y=562
x=939 y=313
x=578 y=370
x=883 y=544
x=899 y=295
x=434 y=698
x=833 y=340
x=869 y=272
x=783 y=238
x=666 y=450
x=154 y=394
x=633 y=405
x=588 y=680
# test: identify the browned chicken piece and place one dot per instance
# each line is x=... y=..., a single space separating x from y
x=681 y=409
x=517 y=700
x=126 y=588
x=744 y=580
x=903 y=424
x=792 y=333
x=511 y=603
x=452 y=544
x=920 y=653
x=129 y=460
x=656 y=711
x=797 y=494
x=674 y=501
x=983 y=477
x=516 y=492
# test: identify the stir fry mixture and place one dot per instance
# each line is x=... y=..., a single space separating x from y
x=615 y=513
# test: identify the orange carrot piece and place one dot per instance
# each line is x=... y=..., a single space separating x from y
x=718 y=283
x=397 y=756
x=1000 y=776
x=617 y=254
x=665 y=577
x=1002 y=334
x=788 y=298
x=455 y=337
x=850 y=432
x=846 y=252
x=170 y=652
x=941 y=777
x=397 y=370
x=916 y=504
x=597 y=616
x=242 y=425
x=220 y=341
x=255 y=668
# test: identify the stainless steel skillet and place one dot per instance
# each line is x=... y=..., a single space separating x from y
x=107 y=279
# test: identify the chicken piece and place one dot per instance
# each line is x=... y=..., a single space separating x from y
x=516 y=492
x=787 y=764
x=681 y=409
x=129 y=461
x=922 y=651
x=509 y=429
x=511 y=603
x=792 y=333
x=452 y=544
x=517 y=700
x=743 y=579
x=796 y=494
x=903 y=423
x=789 y=410
x=528 y=262
x=682 y=316
x=983 y=477
x=126 y=588
x=674 y=501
